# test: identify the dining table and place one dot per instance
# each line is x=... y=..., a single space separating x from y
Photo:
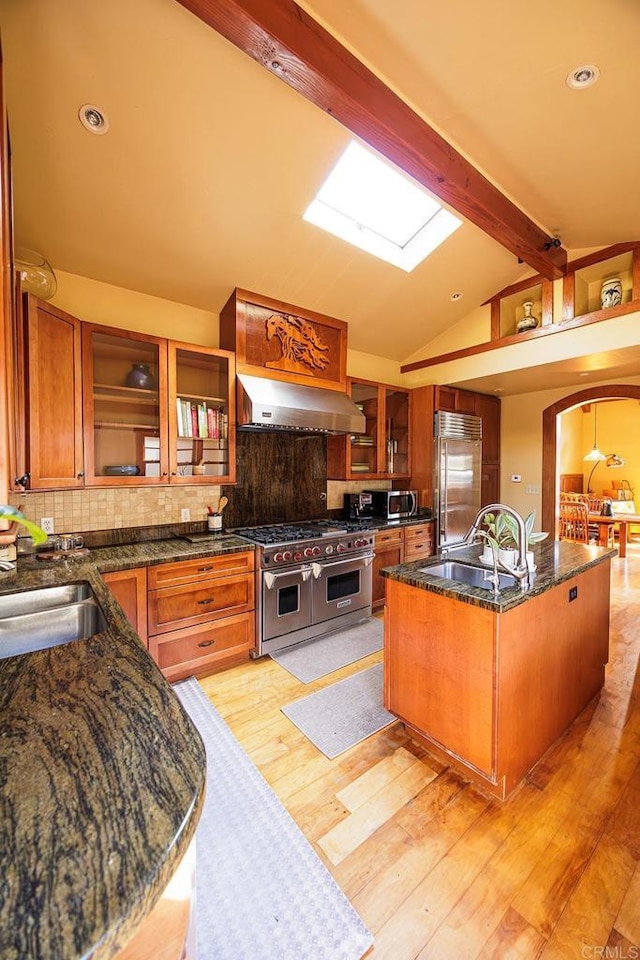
x=606 y=524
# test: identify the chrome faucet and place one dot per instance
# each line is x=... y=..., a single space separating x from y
x=493 y=578
x=520 y=571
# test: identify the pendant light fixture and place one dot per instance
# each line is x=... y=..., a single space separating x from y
x=595 y=454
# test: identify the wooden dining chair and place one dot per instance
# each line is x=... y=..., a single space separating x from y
x=574 y=521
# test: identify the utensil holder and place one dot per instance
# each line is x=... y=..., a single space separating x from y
x=214 y=522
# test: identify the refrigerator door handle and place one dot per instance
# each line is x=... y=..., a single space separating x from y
x=443 y=493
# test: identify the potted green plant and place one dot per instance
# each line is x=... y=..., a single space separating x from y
x=502 y=529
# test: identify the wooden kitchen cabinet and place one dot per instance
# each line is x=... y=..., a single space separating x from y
x=389 y=551
x=201 y=613
x=129 y=587
x=399 y=545
x=180 y=415
x=383 y=450
x=120 y=415
x=53 y=397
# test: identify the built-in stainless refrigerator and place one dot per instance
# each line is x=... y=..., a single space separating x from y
x=458 y=466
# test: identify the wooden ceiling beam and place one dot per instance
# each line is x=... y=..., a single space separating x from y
x=293 y=46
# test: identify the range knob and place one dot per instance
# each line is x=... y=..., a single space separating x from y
x=297 y=555
x=316 y=551
x=308 y=551
x=341 y=548
x=278 y=557
x=287 y=555
x=328 y=548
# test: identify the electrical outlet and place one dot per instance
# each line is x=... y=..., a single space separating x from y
x=185 y=514
x=47 y=524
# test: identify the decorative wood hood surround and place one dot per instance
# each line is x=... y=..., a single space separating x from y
x=293 y=46
x=284 y=342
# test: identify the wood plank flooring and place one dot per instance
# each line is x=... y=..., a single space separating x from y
x=435 y=868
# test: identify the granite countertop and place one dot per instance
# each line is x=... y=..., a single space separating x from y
x=555 y=560
x=102 y=773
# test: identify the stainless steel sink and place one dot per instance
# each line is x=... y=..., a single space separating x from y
x=472 y=576
x=38 y=619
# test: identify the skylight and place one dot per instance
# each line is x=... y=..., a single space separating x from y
x=374 y=206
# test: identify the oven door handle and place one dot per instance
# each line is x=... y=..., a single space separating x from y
x=270 y=578
x=319 y=567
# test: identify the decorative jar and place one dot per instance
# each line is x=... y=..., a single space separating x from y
x=611 y=293
x=528 y=321
x=140 y=376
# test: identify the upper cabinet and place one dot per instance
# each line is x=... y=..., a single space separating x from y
x=125 y=406
x=52 y=396
x=201 y=414
x=383 y=450
x=121 y=408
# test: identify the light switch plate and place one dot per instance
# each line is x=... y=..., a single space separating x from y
x=532 y=488
x=185 y=515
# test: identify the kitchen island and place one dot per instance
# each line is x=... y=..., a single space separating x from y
x=490 y=682
x=102 y=771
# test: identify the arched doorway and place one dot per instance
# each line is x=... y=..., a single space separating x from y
x=621 y=391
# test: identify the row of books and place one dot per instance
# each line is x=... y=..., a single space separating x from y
x=199 y=420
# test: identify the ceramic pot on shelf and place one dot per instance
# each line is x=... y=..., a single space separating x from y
x=528 y=321
x=140 y=376
x=611 y=293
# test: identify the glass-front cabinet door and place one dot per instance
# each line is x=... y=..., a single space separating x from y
x=201 y=414
x=125 y=404
x=396 y=432
x=364 y=446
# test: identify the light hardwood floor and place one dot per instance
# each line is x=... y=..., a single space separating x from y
x=436 y=869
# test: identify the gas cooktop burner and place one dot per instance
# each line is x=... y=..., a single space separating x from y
x=285 y=533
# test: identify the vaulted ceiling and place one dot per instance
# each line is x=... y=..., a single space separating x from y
x=210 y=160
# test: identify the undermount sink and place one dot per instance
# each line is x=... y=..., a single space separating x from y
x=471 y=576
x=37 y=619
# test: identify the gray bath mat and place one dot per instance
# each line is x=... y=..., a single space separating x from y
x=343 y=714
x=261 y=890
x=316 y=658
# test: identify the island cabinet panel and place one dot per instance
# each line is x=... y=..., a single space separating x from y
x=551 y=659
x=490 y=690
x=439 y=667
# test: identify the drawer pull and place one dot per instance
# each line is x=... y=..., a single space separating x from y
x=206 y=643
x=204 y=569
x=203 y=603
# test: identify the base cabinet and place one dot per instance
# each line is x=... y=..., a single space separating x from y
x=399 y=545
x=201 y=613
x=129 y=587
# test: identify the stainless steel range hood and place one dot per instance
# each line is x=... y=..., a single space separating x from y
x=265 y=404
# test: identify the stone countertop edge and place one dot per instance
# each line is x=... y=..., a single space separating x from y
x=102 y=773
x=556 y=561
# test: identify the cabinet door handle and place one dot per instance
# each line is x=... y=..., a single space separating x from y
x=206 y=643
x=203 y=603
x=80 y=476
x=204 y=569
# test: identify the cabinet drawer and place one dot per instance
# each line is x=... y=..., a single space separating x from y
x=186 y=571
x=418 y=531
x=418 y=549
x=197 y=650
x=188 y=604
x=389 y=537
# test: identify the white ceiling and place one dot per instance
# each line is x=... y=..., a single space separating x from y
x=210 y=161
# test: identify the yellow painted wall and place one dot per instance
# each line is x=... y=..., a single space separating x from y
x=571 y=448
x=117 y=307
x=618 y=431
x=521 y=443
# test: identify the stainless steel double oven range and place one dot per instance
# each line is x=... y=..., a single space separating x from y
x=311 y=578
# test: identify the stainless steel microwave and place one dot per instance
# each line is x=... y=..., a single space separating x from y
x=394 y=504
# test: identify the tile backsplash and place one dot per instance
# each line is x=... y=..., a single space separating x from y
x=75 y=511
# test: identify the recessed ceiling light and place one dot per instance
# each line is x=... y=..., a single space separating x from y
x=374 y=206
x=456 y=296
x=583 y=77
x=498 y=389
x=585 y=373
x=93 y=119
